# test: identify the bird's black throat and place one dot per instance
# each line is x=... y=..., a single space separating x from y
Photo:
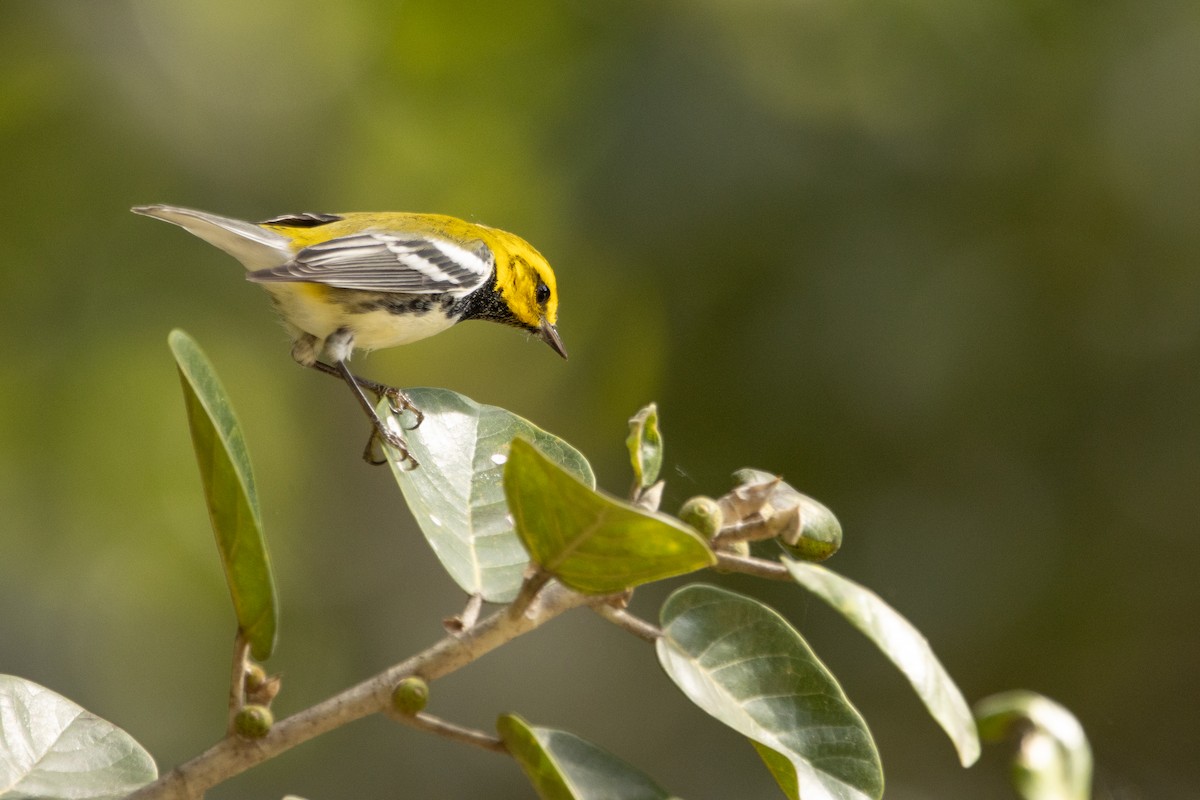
x=486 y=303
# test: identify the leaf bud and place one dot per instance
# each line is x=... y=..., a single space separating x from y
x=254 y=677
x=818 y=534
x=748 y=498
x=265 y=692
x=650 y=498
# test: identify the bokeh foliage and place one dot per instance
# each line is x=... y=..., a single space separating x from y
x=937 y=263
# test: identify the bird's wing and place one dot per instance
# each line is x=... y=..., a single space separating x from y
x=389 y=261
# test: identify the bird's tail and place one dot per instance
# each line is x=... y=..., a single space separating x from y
x=255 y=247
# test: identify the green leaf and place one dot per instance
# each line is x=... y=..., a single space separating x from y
x=781 y=770
x=230 y=494
x=457 y=494
x=589 y=541
x=561 y=766
x=51 y=748
x=901 y=643
x=645 y=446
x=1054 y=759
x=744 y=664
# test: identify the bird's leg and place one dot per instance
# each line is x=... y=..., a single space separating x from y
x=381 y=432
x=341 y=343
x=397 y=399
x=368 y=454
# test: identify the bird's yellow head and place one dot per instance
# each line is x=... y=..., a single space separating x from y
x=525 y=283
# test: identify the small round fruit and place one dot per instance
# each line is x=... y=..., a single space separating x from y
x=703 y=514
x=253 y=721
x=410 y=695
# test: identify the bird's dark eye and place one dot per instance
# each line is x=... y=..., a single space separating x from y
x=542 y=294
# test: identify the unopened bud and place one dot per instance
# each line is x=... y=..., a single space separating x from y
x=749 y=496
x=265 y=692
x=254 y=677
x=818 y=535
x=650 y=498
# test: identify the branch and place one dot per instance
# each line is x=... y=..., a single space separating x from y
x=468 y=617
x=232 y=755
x=237 y=679
x=455 y=733
x=755 y=529
x=623 y=619
x=749 y=565
x=535 y=579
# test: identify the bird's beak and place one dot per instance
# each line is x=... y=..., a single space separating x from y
x=550 y=336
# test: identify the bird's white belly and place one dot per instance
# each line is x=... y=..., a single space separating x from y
x=377 y=329
x=304 y=309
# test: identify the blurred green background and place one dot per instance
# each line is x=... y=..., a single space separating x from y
x=934 y=262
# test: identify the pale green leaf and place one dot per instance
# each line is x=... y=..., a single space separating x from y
x=51 y=749
x=590 y=541
x=562 y=766
x=645 y=446
x=1054 y=759
x=230 y=494
x=457 y=493
x=903 y=645
x=745 y=665
x=781 y=770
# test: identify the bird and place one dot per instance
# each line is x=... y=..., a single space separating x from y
x=368 y=280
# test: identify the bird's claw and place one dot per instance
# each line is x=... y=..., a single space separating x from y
x=393 y=440
x=399 y=402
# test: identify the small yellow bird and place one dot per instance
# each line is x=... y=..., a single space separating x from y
x=372 y=280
